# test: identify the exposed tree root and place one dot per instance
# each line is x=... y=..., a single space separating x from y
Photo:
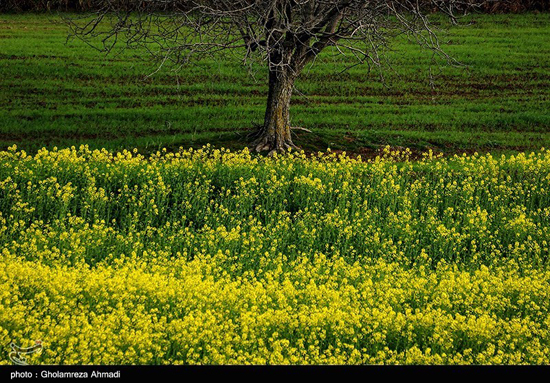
x=273 y=144
x=300 y=128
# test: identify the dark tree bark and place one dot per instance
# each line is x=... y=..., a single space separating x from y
x=275 y=133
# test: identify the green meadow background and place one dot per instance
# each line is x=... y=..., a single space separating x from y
x=55 y=92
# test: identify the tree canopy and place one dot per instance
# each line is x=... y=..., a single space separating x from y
x=285 y=34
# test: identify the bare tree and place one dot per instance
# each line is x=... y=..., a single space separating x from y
x=285 y=34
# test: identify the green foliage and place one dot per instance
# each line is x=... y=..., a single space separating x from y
x=211 y=256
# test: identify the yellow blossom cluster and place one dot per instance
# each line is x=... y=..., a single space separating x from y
x=217 y=257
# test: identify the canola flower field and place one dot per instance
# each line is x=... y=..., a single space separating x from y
x=216 y=257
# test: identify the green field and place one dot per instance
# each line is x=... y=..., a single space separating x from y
x=162 y=255
x=54 y=93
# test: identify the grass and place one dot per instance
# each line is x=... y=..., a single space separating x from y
x=218 y=257
x=54 y=93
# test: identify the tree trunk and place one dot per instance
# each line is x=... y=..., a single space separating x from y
x=275 y=133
